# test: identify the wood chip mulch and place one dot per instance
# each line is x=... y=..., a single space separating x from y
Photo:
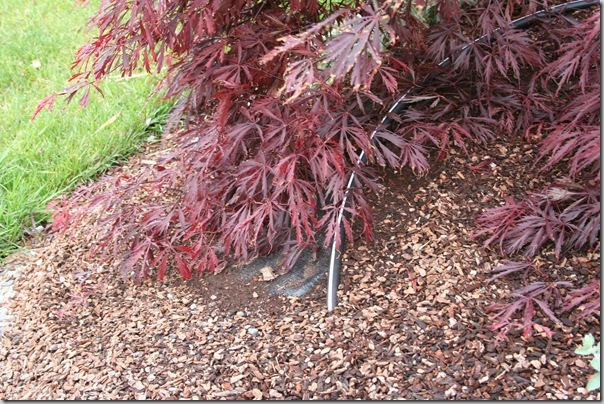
x=411 y=323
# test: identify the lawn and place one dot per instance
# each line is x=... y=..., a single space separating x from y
x=43 y=158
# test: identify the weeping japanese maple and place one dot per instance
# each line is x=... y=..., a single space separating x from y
x=274 y=105
x=276 y=101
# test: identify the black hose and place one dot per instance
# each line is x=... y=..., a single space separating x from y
x=335 y=261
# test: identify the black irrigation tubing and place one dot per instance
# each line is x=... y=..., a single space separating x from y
x=335 y=261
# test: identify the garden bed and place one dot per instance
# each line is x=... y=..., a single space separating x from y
x=411 y=323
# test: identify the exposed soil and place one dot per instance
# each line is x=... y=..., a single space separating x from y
x=412 y=321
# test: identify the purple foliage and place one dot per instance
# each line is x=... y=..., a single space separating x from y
x=276 y=101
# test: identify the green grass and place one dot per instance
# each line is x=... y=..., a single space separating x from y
x=43 y=158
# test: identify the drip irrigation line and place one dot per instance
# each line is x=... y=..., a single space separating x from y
x=335 y=261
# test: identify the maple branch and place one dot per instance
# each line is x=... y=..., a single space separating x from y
x=397 y=107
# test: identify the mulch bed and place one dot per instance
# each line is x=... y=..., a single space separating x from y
x=411 y=324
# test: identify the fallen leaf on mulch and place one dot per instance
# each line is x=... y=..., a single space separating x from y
x=267 y=274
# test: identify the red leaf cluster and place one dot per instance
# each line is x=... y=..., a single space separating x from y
x=540 y=295
x=277 y=101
